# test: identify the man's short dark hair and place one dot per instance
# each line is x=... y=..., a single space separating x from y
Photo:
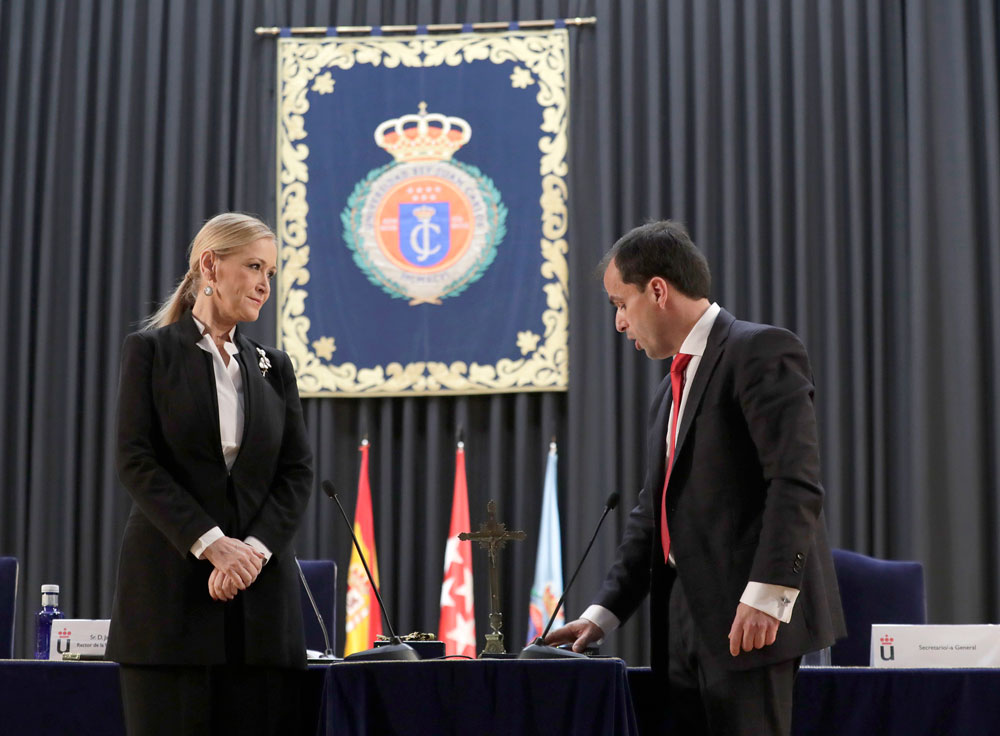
x=661 y=249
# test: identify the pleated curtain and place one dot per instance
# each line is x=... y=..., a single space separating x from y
x=837 y=160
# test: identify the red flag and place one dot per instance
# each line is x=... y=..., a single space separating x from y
x=364 y=619
x=457 y=628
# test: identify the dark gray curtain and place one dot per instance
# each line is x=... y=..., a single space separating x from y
x=838 y=160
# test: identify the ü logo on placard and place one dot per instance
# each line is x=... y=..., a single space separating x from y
x=63 y=635
x=887 y=651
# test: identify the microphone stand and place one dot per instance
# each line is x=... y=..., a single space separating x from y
x=395 y=650
x=538 y=649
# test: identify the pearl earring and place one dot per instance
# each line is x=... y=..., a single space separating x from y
x=209 y=291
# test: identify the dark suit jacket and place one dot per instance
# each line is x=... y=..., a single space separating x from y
x=744 y=501
x=170 y=461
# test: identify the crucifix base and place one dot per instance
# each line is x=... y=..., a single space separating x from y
x=494 y=644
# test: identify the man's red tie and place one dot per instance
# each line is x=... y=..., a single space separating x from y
x=677 y=368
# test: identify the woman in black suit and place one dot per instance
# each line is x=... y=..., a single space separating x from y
x=212 y=449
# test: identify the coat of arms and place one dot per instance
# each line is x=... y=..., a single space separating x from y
x=424 y=227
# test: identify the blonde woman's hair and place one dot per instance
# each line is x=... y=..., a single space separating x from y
x=224 y=235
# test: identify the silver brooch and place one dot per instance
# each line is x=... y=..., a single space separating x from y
x=263 y=363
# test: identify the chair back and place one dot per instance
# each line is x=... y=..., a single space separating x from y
x=8 y=605
x=874 y=591
x=322 y=578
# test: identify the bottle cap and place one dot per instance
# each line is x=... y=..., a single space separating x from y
x=50 y=588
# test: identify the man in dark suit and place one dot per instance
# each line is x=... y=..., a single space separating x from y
x=728 y=535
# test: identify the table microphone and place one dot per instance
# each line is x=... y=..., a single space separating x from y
x=538 y=649
x=396 y=649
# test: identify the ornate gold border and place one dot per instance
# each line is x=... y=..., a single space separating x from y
x=545 y=56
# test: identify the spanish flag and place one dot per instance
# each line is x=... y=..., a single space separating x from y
x=364 y=620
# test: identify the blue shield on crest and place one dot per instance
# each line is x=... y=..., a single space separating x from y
x=424 y=234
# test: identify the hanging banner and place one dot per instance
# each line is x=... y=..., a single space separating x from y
x=422 y=206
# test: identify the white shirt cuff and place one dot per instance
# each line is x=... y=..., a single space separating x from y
x=774 y=600
x=206 y=539
x=260 y=547
x=602 y=617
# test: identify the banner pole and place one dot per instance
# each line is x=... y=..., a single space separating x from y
x=271 y=31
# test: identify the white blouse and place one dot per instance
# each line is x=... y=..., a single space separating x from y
x=229 y=389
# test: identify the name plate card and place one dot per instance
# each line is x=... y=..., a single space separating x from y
x=83 y=636
x=901 y=646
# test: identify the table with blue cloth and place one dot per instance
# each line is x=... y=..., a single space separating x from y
x=492 y=696
x=863 y=701
x=831 y=701
x=573 y=697
x=500 y=696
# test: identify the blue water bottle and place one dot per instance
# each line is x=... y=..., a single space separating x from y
x=43 y=620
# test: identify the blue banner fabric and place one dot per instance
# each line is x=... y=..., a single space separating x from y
x=422 y=205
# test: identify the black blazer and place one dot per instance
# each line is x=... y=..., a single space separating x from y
x=744 y=502
x=170 y=461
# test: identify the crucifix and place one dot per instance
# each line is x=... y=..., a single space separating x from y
x=493 y=537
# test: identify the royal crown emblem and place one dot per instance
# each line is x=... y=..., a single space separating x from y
x=424 y=227
x=423 y=137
